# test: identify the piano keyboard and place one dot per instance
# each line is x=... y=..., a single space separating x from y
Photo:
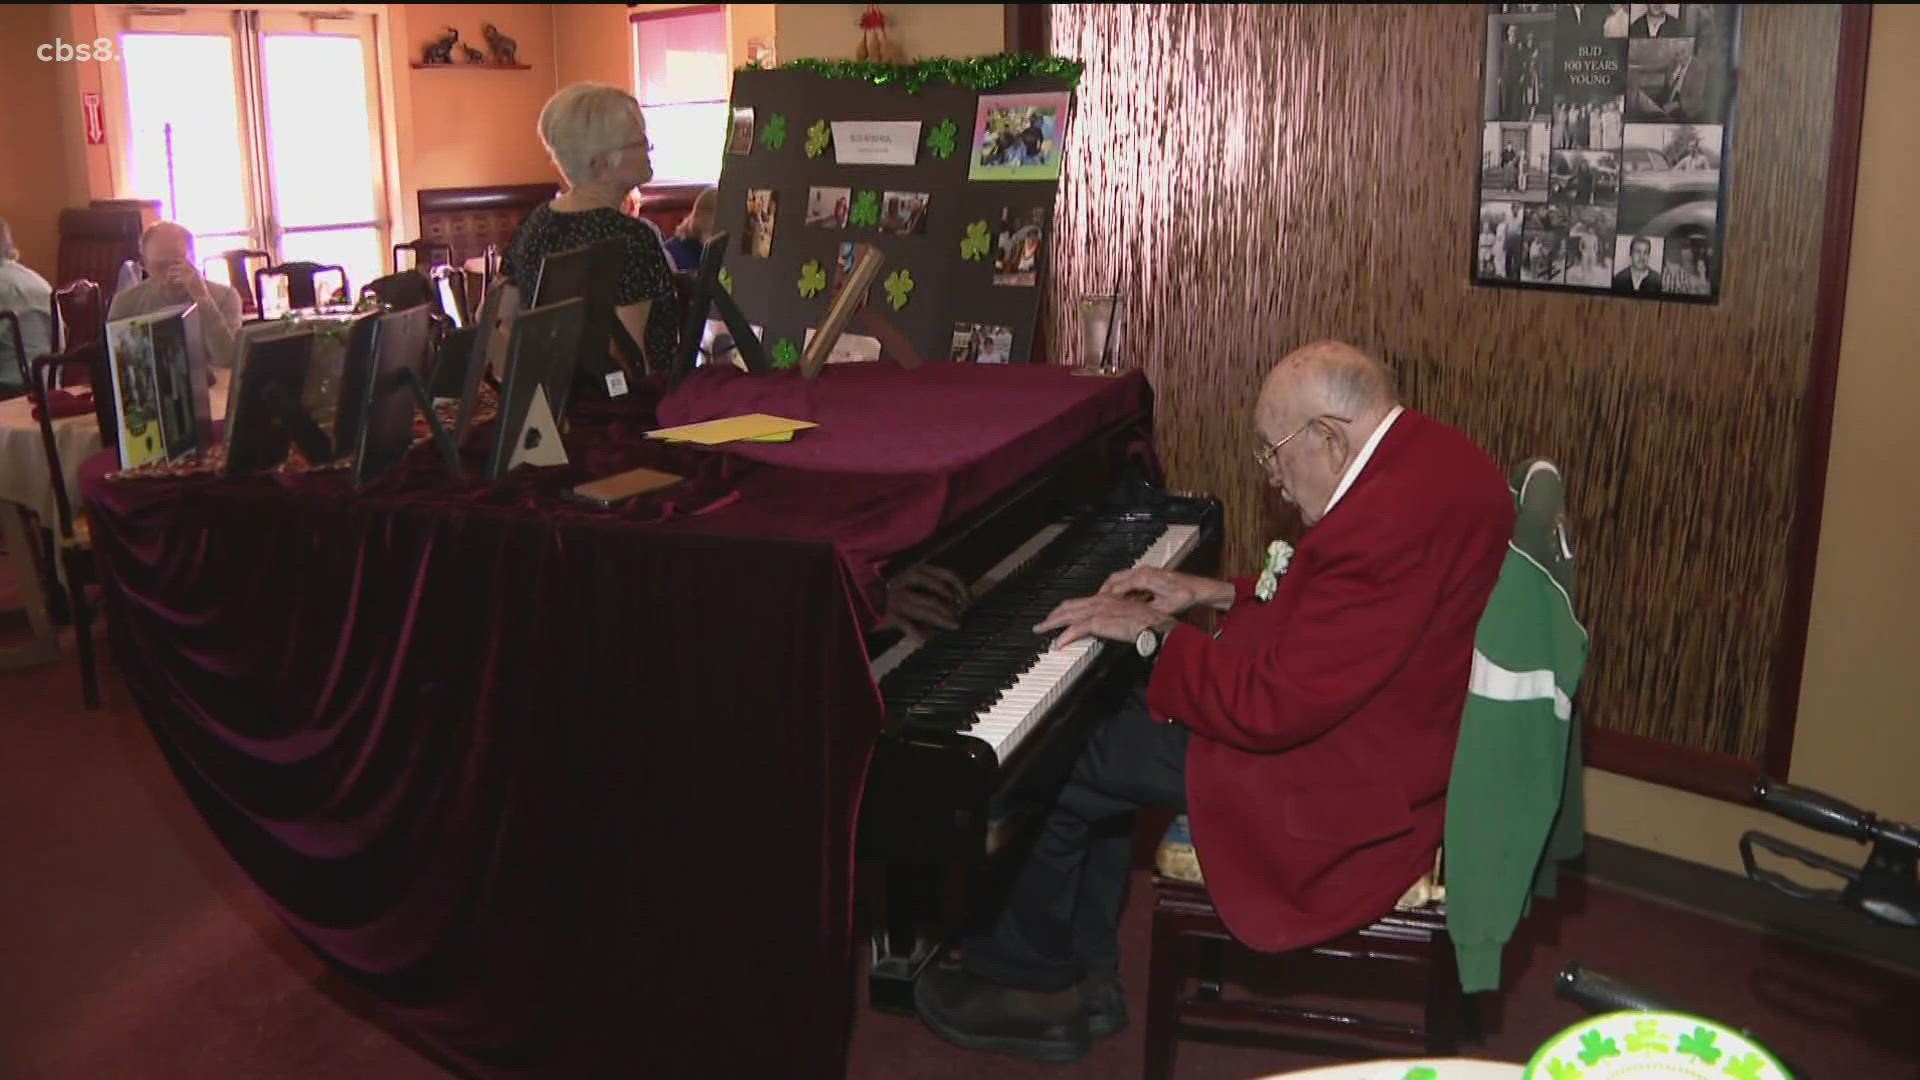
x=993 y=678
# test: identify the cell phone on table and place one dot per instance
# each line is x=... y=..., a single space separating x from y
x=610 y=491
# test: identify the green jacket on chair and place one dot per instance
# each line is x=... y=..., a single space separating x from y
x=1514 y=800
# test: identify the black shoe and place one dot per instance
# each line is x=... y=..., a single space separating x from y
x=1104 y=1001
x=975 y=1014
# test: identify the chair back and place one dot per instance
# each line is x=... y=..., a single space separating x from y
x=449 y=284
x=1541 y=530
x=399 y=291
x=236 y=269
x=21 y=367
x=79 y=315
x=97 y=240
x=88 y=357
x=308 y=285
x=423 y=255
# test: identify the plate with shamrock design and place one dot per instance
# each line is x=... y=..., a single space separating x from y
x=1652 y=1046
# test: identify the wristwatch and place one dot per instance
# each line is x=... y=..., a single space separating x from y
x=1148 y=643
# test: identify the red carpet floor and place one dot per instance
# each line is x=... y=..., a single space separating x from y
x=131 y=948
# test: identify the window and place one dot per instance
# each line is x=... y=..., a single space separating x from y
x=681 y=76
x=249 y=125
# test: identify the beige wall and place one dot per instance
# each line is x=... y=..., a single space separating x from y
x=34 y=167
x=593 y=44
x=921 y=30
x=1858 y=733
x=476 y=126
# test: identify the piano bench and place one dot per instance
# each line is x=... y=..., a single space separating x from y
x=1406 y=949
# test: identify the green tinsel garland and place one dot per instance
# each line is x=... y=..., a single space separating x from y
x=973 y=72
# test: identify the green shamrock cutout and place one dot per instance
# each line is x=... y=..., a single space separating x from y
x=1746 y=1067
x=1595 y=1048
x=812 y=279
x=1700 y=1045
x=1422 y=1072
x=784 y=354
x=899 y=287
x=977 y=242
x=1646 y=1036
x=1560 y=1070
x=775 y=133
x=818 y=136
x=726 y=279
x=940 y=139
x=866 y=209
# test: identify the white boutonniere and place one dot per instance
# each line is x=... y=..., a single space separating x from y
x=1279 y=554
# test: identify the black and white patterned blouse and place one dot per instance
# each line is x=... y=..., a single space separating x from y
x=645 y=273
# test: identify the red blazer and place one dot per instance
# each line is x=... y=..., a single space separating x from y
x=1324 y=721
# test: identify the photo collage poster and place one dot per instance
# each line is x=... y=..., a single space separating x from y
x=1605 y=129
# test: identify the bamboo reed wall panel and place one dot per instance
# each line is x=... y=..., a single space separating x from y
x=1262 y=176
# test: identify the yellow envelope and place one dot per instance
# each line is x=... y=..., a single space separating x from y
x=759 y=427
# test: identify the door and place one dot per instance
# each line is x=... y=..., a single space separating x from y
x=254 y=129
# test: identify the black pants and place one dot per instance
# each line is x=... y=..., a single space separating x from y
x=1062 y=918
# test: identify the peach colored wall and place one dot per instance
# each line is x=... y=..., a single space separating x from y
x=921 y=30
x=594 y=44
x=471 y=127
x=34 y=166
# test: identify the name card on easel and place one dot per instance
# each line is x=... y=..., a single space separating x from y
x=876 y=142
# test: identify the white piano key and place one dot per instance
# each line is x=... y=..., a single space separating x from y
x=1024 y=706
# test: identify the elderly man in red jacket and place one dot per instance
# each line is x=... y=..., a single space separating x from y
x=1309 y=741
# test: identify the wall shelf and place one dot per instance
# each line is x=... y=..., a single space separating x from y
x=418 y=66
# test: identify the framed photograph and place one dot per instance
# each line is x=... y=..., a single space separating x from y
x=740 y=139
x=904 y=212
x=980 y=343
x=827 y=207
x=762 y=206
x=1017 y=244
x=1604 y=136
x=1018 y=137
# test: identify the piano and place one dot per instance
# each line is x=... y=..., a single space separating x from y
x=985 y=721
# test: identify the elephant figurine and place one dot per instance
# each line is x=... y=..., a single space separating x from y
x=473 y=55
x=441 y=52
x=503 y=46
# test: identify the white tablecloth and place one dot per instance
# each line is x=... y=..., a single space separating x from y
x=23 y=457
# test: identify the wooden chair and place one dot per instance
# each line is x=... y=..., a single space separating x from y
x=79 y=315
x=97 y=240
x=236 y=270
x=426 y=254
x=21 y=366
x=1406 y=949
x=400 y=290
x=304 y=289
x=73 y=537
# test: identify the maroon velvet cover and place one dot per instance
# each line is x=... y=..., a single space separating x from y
x=560 y=785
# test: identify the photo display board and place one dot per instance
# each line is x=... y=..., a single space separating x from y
x=1606 y=133
x=955 y=186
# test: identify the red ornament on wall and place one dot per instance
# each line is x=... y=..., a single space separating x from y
x=93 y=118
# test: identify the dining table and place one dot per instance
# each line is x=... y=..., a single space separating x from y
x=27 y=505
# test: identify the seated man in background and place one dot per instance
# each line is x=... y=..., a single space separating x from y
x=28 y=296
x=1310 y=742
x=597 y=137
x=173 y=278
x=689 y=241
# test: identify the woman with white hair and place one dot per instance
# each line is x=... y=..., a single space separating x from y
x=597 y=137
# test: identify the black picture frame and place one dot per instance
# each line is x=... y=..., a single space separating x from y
x=1606 y=138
